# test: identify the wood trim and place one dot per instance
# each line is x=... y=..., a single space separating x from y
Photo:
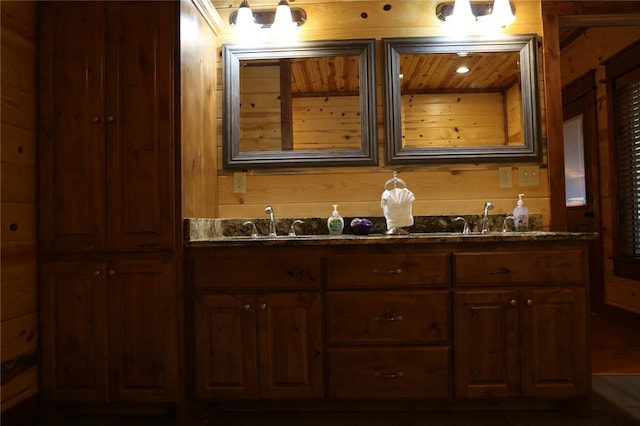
x=553 y=105
x=26 y=413
x=621 y=316
x=579 y=87
x=210 y=14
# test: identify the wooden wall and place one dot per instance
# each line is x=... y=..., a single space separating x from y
x=439 y=189
x=18 y=200
x=587 y=53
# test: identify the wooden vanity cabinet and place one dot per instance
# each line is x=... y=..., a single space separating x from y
x=258 y=321
x=107 y=330
x=388 y=324
x=520 y=323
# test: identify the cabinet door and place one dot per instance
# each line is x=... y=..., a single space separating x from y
x=553 y=342
x=486 y=342
x=225 y=350
x=290 y=346
x=71 y=126
x=140 y=124
x=73 y=331
x=142 y=334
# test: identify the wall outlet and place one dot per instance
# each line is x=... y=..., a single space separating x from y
x=504 y=174
x=529 y=176
x=239 y=182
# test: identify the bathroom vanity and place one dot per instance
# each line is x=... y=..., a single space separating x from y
x=446 y=321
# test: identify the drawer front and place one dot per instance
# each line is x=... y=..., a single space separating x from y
x=388 y=316
x=413 y=269
x=552 y=266
x=402 y=372
x=255 y=269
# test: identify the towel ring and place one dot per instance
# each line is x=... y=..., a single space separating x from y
x=395 y=180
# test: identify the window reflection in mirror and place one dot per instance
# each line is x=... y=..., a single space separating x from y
x=298 y=104
x=309 y=104
x=461 y=100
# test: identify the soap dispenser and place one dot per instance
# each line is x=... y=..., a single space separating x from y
x=521 y=214
x=335 y=223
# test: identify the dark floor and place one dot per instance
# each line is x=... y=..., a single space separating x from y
x=616 y=400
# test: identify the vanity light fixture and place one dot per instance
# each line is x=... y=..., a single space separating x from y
x=461 y=12
x=282 y=16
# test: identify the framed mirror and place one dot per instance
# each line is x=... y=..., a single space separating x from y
x=310 y=104
x=454 y=100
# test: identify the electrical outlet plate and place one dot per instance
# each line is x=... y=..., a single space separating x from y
x=529 y=176
x=504 y=174
x=239 y=182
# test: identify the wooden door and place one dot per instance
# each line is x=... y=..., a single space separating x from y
x=73 y=331
x=225 y=346
x=140 y=124
x=553 y=343
x=290 y=346
x=142 y=330
x=71 y=130
x=486 y=341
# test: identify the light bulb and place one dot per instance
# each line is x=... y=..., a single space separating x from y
x=462 y=13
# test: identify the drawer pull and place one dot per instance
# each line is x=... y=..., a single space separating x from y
x=389 y=317
x=388 y=375
x=391 y=272
x=501 y=271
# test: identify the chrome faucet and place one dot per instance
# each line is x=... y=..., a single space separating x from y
x=504 y=223
x=465 y=227
x=485 y=216
x=272 y=221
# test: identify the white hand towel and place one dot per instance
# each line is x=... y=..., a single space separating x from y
x=396 y=205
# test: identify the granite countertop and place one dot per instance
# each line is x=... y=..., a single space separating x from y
x=205 y=232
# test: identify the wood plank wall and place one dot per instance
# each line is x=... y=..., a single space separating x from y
x=439 y=189
x=18 y=200
x=589 y=52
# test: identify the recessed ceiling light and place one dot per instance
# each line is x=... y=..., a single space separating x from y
x=462 y=70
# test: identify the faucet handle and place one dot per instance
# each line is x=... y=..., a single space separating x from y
x=254 y=230
x=292 y=229
x=465 y=228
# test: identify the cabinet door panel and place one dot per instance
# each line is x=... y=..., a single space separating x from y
x=486 y=342
x=225 y=350
x=290 y=346
x=143 y=338
x=140 y=124
x=71 y=132
x=73 y=322
x=553 y=343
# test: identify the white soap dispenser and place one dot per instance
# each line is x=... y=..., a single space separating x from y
x=335 y=223
x=521 y=215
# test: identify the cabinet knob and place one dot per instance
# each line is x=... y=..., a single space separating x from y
x=263 y=306
x=246 y=307
x=529 y=302
x=388 y=272
x=110 y=118
x=95 y=119
x=112 y=272
x=97 y=273
x=512 y=302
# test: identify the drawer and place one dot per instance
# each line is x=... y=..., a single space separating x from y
x=252 y=268
x=552 y=266
x=414 y=269
x=399 y=372
x=413 y=316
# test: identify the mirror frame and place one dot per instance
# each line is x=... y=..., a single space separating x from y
x=526 y=44
x=233 y=158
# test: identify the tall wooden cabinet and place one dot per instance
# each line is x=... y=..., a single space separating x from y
x=106 y=125
x=107 y=196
